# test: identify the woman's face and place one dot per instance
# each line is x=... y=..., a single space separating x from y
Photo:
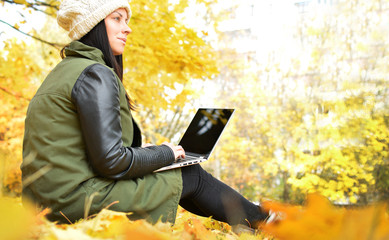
x=117 y=30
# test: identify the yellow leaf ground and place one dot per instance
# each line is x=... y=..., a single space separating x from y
x=318 y=219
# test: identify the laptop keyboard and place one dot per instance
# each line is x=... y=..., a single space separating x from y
x=186 y=158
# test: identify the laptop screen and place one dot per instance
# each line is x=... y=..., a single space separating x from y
x=204 y=130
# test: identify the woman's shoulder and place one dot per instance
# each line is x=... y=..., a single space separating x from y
x=63 y=77
x=78 y=63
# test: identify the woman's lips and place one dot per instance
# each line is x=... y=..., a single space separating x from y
x=123 y=40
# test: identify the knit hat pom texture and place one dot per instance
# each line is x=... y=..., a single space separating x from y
x=78 y=17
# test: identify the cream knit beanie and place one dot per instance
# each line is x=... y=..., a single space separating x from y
x=78 y=17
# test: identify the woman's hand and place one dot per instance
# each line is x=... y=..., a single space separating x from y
x=179 y=152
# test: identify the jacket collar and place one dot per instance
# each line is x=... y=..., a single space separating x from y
x=78 y=49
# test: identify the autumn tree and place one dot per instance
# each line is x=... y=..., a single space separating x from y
x=348 y=48
x=315 y=119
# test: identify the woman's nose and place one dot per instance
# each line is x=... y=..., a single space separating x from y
x=127 y=29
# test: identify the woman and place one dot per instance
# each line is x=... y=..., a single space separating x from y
x=79 y=125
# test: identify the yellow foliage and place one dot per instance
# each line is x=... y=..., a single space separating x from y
x=320 y=220
x=18 y=67
x=172 y=53
x=15 y=221
x=21 y=2
x=115 y=225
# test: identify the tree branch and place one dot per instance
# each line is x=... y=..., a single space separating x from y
x=55 y=45
x=45 y=4
x=35 y=6
x=16 y=95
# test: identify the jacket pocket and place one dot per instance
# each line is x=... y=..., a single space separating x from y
x=95 y=185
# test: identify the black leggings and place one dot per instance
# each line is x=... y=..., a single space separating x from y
x=204 y=195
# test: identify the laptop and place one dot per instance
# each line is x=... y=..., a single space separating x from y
x=201 y=136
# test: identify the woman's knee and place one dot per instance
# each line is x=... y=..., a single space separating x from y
x=191 y=179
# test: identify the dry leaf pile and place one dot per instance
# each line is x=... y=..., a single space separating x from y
x=318 y=219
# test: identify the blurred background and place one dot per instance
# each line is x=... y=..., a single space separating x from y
x=309 y=81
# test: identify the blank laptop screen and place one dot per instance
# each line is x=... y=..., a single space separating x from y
x=204 y=130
